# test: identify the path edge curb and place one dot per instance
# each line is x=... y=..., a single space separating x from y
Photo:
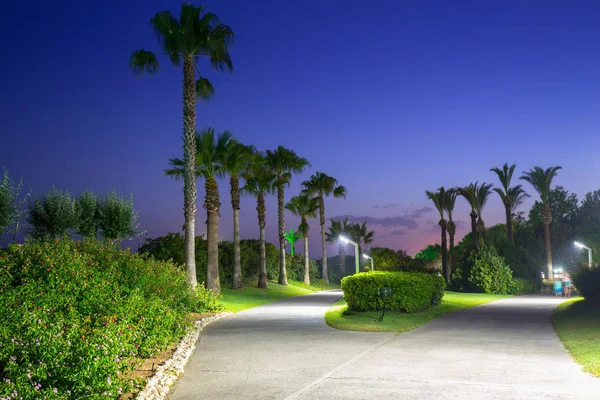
x=159 y=385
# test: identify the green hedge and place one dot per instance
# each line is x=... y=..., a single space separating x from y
x=413 y=291
x=587 y=283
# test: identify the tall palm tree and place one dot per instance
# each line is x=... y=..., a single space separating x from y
x=505 y=176
x=336 y=229
x=260 y=182
x=449 y=203
x=470 y=194
x=304 y=206
x=541 y=180
x=439 y=200
x=483 y=192
x=210 y=155
x=197 y=34
x=361 y=234
x=283 y=162
x=323 y=185
x=235 y=163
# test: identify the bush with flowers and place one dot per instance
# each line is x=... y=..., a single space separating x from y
x=76 y=316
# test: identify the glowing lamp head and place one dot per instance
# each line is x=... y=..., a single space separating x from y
x=344 y=239
x=578 y=244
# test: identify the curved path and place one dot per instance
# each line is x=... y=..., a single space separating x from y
x=284 y=350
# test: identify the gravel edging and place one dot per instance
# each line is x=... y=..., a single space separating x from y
x=159 y=384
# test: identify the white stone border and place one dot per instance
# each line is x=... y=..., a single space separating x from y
x=159 y=384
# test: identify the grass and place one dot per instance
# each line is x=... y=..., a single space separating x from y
x=251 y=296
x=340 y=317
x=577 y=323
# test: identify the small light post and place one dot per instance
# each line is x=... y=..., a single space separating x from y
x=346 y=240
x=583 y=246
x=370 y=258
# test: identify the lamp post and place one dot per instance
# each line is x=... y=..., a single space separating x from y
x=370 y=258
x=346 y=240
x=583 y=246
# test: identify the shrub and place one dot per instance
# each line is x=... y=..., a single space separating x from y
x=76 y=315
x=89 y=214
x=587 y=282
x=295 y=268
x=521 y=286
x=52 y=215
x=413 y=291
x=485 y=271
x=9 y=209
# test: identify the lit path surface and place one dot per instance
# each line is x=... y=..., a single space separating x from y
x=502 y=350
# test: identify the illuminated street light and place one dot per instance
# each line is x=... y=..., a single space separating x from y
x=346 y=240
x=583 y=246
x=370 y=258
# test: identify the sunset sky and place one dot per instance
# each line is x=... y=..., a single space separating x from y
x=390 y=97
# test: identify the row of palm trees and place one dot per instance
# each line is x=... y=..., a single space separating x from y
x=263 y=174
x=477 y=194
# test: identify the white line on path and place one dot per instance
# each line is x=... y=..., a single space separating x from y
x=322 y=379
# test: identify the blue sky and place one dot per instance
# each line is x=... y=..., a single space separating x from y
x=390 y=97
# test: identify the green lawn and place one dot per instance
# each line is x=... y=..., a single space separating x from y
x=340 y=318
x=251 y=296
x=577 y=323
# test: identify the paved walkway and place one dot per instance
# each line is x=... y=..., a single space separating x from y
x=284 y=350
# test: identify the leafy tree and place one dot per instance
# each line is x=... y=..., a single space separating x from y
x=211 y=151
x=588 y=228
x=431 y=253
x=9 y=208
x=304 y=206
x=361 y=234
x=336 y=229
x=509 y=195
x=489 y=272
x=439 y=200
x=449 y=204
x=541 y=180
x=236 y=160
x=386 y=259
x=260 y=181
x=292 y=237
x=118 y=218
x=323 y=185
x=284 y=163
x=52 y=215
x=470 y=194
x=89 y=211
x=195 y=35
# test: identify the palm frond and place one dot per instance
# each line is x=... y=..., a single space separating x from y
x=541 y=180
x=204 y=89
x=142 y=61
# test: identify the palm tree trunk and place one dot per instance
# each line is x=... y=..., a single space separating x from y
x=474 y=230
x=238 y=282
x=325 y=273
x=509 y=225
x=306 y=263
x=189 y=161
x=359 y=257
x=262 y=275
x=342 y=256
x=451 y=233
x=548 y=250
x=281 y=215
x=480 y=230
x=442 y=224
x=212 y=205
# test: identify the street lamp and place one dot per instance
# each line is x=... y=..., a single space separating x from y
x=583 y=246
x=370 y=258
x=346 y=240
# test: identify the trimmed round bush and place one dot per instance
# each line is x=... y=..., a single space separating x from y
x=412 y=291
x=587 y=283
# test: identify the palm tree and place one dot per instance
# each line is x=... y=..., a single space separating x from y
x=541 y=180
x=236 y=161
x=362 y=236
x=304 y=206
x=292 y=237
x=517 y=195
x=483 y=192
x=505 y=176
x=197 y=34
x=260 y=182
x=336 y=229
x=323 y=185
x=439 y=200
x=470 y=194
x=210 y=155
x=449 y=203
x=283 y=162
